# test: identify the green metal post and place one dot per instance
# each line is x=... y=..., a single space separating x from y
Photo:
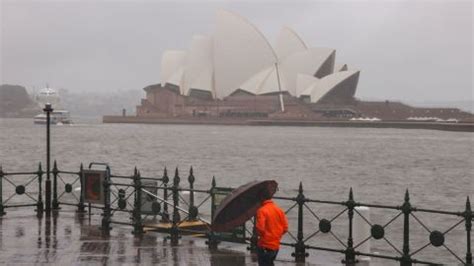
x=300 y=248
x=48 y=109
x=55 y=186
x=81 y=208
x=212 y=191
x=137 y=215
x=254 y=238
x=406 y=209
x=39 y=204
x=107 y=212
x=349 y=252
x=2 y=210
x=192 y=210
x=165 y=217
x=176 y=217
x=468 y=215
x=212 y=241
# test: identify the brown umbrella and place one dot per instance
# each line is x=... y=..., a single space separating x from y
x=241 y=204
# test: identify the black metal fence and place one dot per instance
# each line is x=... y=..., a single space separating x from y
x=165 y=198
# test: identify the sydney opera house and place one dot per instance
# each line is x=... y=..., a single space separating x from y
x=238 y=73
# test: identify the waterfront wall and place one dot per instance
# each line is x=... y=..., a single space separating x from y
x=461 y=127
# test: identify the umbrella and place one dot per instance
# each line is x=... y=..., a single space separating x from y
x=241 y=204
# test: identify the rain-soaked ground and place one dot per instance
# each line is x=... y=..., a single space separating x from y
x=71 y=239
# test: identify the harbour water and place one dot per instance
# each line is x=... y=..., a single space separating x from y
x=379 y=164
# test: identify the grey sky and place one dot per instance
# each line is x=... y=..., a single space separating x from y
x=406 y=50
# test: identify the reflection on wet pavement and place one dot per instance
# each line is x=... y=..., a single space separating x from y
x=68 y=238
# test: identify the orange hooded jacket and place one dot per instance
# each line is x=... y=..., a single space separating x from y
x=271 y=225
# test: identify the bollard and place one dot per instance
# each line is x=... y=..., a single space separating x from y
x=137 y=216
x=362 y=231
x=39 y=204
x=192 y=210
x=165 y=217
x=300 y=248
x=406 y=209
x=2 y=209
x=81 y=208
x=468 y=215
x=55 y=186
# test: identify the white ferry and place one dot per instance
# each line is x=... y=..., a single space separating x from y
x=59 y=115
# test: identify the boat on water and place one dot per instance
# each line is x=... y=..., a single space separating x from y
x=59 y=115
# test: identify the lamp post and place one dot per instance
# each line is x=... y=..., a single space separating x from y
x=48 y=109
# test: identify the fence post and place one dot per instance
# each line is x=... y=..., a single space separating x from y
x=165 y=217
x=55 y=186
x=106 y=214
x=80 y=205
x=193 y=211
x=468 y=218
x=176 y=217
x=48 y=109
x=406 y=209
x=350 y=255
x=137 y=215
x=300 y=248
x=254 y=238
x=2 y=210
x=212 y=240
x=39 y=204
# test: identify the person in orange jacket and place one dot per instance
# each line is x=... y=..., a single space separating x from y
x=271 y=225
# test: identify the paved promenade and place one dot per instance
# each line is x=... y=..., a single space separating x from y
x=71 y=239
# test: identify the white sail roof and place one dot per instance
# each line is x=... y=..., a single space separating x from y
x=171 y=61
x=331 y=82
x=203 y=82
x=176 y=79
x=288 y=43
x=240 y=51
x=239 y=56
x=308 y=62
x=304 y=83
x=266 y=81
x=253 y=85
x=198 y=64
x=270 y=84
x=339 y=68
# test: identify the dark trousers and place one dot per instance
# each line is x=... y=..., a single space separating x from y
x=266 y=256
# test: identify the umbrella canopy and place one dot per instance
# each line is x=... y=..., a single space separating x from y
x=241 y=204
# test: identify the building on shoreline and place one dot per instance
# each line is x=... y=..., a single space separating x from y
x=238 y=74
x=167 y=102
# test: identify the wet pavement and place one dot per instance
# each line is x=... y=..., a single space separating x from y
x=71 y=239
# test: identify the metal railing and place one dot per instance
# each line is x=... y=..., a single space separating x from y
x=21 y=193
x=377 y=231
x=124 y=204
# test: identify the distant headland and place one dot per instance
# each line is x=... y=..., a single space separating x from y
x=15 y=102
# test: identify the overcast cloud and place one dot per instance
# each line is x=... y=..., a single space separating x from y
x=406 y=50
